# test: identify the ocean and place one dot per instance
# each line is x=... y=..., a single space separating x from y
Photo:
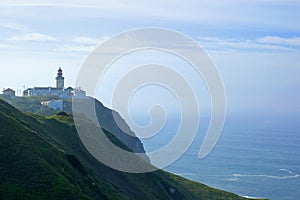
x=254 y=157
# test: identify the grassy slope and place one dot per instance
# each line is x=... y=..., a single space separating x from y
x=43 y=158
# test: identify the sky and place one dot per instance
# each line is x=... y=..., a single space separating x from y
x=255 y=44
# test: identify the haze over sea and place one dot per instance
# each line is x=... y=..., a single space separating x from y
x=256 y=156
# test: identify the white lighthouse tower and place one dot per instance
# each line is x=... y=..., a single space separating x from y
x=60 y=80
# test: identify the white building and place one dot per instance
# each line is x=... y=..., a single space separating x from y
x=78 y=93
x=54 y=104
x=58 y=91
x=9 y=92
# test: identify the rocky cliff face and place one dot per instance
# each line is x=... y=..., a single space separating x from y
x=111 y=121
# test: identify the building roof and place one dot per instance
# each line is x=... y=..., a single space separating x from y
x=45 y=88
x=8 y=90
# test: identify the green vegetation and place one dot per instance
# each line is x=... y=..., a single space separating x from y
x=33 y=104
x=43 y=158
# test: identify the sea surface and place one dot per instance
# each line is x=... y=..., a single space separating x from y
x=254 y=157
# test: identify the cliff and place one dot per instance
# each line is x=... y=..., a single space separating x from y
x=43 y=158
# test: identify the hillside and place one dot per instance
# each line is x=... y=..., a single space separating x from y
x=32 y=104
x=105 y=116
x=43 y=158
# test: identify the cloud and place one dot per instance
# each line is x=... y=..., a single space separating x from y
x=76 y=48
x=277 y=14
x=261 y=44
x=280 y=41
x=88 y=40
x=14 y=26
x=33 y=37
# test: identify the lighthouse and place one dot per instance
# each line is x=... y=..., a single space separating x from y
x=60 y=80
